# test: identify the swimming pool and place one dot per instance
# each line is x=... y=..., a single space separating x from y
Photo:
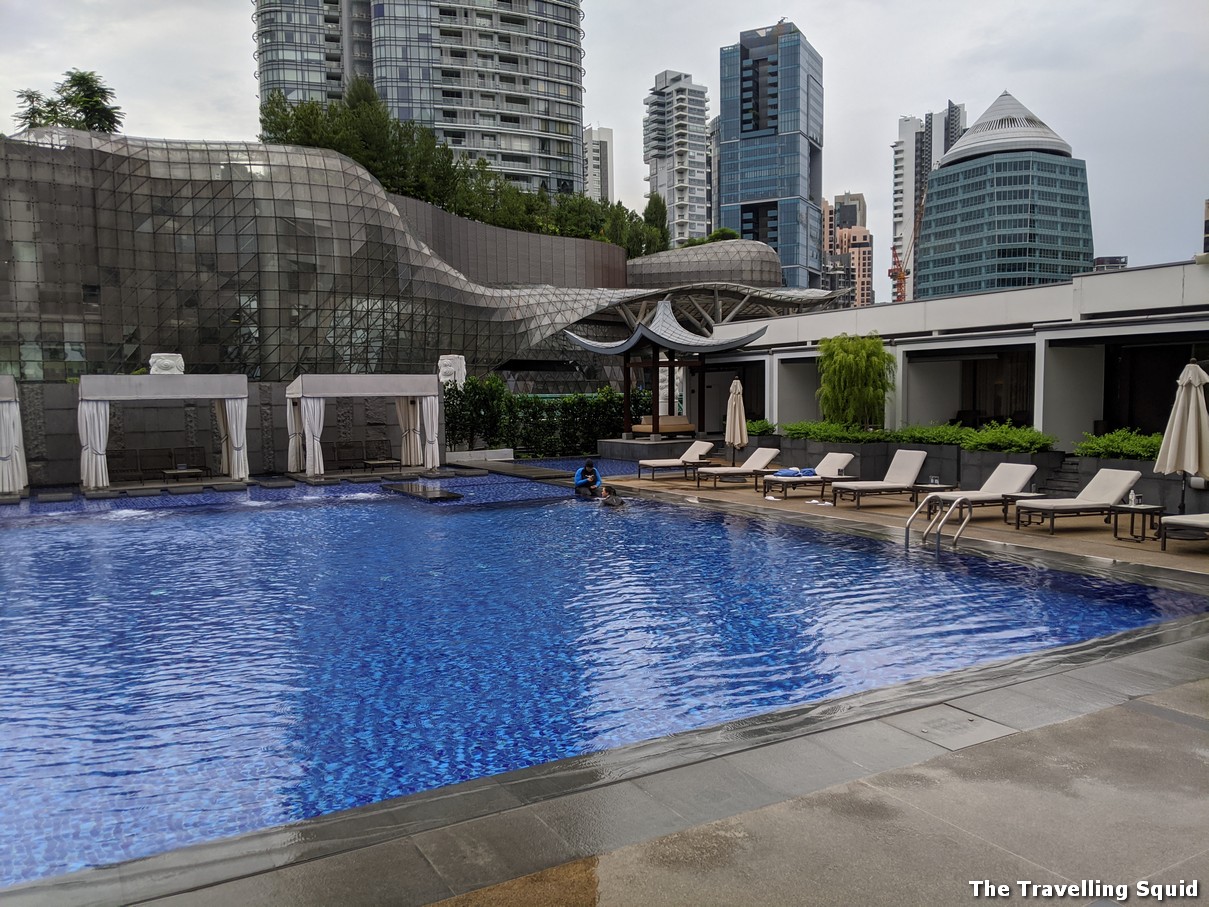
x=171 y=674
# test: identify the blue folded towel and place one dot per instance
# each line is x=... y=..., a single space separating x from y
x=791 y=471
x=807 y=472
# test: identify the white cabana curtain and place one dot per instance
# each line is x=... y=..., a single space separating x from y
x=92 y=420
x=224 y=433
x=411 y=451
x=235 y=448
x=293 y=425
x=312 y=422
x=432 y=452
x=13 y=475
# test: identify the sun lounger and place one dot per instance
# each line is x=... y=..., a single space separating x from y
x=1007 y=479
x=755 y=465
x=830 y=468
x=904 y=470
x=696 y=452
x=1192 y=527
x=1106 y=488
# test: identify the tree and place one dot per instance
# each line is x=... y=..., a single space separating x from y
x=655 y=216
x=82 y=101
x=855 y=374
x=720 y=235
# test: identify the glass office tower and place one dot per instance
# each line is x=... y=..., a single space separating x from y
x=770 y=170
x=500 y=81
x=1007 y=207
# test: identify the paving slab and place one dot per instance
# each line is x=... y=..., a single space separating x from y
x=876 y=746
x=795 y=767
x=710 y=790
x=948 y=727
x=607 y=818
x=1190 y=698
x=1039 y=702
x=1112 y=795
x=394 y=874
x=476 y=853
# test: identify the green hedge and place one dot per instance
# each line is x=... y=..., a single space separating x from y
x=992 y=436
x=1122 y=444
x=483 y=411
x=757 y=427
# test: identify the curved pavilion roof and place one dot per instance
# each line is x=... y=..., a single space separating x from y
x=665 y=331
x=1007 y=125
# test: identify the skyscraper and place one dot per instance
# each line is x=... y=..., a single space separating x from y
x=674 y=147
x=598 y=164
x=504 y=84
x=920 y=146
x=770 y=170
x=848 y=247
x=1007 y=207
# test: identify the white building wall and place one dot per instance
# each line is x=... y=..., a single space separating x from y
x=797 y=385
x=1072 y=391
x=675 y=136
x=1069 y=382
x=931 y=391
x=598 y=164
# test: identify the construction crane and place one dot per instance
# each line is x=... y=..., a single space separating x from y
x=899 y=270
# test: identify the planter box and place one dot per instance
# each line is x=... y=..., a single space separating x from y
x=868 y=460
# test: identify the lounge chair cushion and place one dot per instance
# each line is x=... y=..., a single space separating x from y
x=759 y=459
x=1106 y=488
x=1008 y=478
x=696 y=451
x=1187 y=521
x=904 y=470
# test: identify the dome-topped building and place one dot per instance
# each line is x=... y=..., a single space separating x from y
x=1006 y=126
x=1007 y=207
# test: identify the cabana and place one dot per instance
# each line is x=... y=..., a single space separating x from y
x=416 y=406
x=97 y=391
x=13 y=475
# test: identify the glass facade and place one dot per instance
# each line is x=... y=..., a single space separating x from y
x=265 y=260
x=1001 y=221
x=501 y=81
x=770 y=147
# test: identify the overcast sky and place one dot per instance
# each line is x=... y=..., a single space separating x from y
x=1125 y=82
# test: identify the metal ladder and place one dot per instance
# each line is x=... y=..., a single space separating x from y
x=939 y=520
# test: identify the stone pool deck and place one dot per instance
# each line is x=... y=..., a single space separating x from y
x=1086 y=763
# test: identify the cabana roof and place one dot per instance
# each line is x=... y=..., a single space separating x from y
x=666 y=332
x=363 y=386
x=163 y=387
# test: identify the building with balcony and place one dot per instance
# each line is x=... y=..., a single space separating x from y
x=920 y=146
x=501 y=83
x=598 y=164
x=1007 y=207
x=848 y=247
x=675 y=149
x=770 y=147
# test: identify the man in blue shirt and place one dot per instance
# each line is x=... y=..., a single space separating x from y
x=587 y=481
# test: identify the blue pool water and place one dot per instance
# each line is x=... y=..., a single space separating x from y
x=172 y=673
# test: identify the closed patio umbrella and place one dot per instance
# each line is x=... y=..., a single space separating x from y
x=1185 y=447
x=736 y=419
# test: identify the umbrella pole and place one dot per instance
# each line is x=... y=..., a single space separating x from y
x=1183 y=491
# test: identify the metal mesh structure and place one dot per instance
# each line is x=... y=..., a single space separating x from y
x=270 y=261
x=745 y=261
